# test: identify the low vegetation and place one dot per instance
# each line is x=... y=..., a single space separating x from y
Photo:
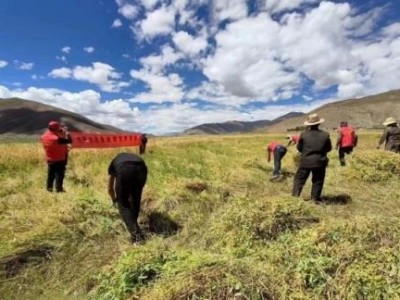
x=216 y=227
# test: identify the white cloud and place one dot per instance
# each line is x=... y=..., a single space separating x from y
x=157 y=63
x=20 y=65
x=89 y=49
x=162 y=88
x=277 y=6
x=247 y=61
x=189 y=44
x=66 y=49
x=61 y=73
x=62 y=58
x=101 y=74
x=129 y=11
x=88 y=103
x=3 y=63
x=116 y=24
x=149 y=4
x=230 y=10
x=158 y=22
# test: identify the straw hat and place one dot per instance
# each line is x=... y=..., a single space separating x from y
x=313 y=119
x=389 y=121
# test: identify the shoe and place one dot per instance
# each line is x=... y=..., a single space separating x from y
x=275 y=177
x=49 y=190
x=319 y=201
x=137 y=238
x=61 y=191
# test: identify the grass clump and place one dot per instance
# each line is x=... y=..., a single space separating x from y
x=375 y=166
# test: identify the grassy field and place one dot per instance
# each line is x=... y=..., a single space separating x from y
x=216 y=227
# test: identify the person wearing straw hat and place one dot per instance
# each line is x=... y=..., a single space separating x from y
x=391 y=136
x=314 y=144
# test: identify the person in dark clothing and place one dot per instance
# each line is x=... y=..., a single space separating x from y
x=391 y=136
x=127 y=177
x=55 y=141
x=143 y=142
x=279 y=152
x=346 y=141
x=314 y=144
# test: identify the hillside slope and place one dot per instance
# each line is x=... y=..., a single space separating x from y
x=24 y=117
x=367 y=112
x=236 y=126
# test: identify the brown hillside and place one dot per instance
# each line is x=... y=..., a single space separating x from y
x=367 y=112
x=24 y=117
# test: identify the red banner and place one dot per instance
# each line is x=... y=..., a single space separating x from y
x=94 y=140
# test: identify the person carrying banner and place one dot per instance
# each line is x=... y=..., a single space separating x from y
x=346 y=141
x=143 y=142
x=390 y=136
x=314 y=144
x=278 y=152
x=55 y=141
x=127 y=178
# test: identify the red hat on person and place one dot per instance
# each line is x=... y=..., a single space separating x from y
x=54 y=125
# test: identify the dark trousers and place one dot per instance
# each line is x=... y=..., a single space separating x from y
x=130 y=181
x=56 y=172
x=142 y=149
x=342 y=152
x=318 y=178
x=279 y=153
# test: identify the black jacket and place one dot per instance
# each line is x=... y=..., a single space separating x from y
x=314 y=144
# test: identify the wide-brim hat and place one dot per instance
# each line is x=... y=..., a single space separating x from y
x=313 y=119
x=389 y=121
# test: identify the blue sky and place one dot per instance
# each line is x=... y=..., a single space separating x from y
x=163 y=66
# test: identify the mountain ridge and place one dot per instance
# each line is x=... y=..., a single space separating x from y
x=26 y=117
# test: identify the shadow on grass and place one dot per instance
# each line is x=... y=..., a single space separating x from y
x=340 y=199
x=162 y=224
x=10 y=266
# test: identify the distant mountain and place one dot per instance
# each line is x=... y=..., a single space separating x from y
x=368 y=112
x=237 y=126
x=24 y=117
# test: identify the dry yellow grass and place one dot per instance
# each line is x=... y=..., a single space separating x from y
x=217 y=228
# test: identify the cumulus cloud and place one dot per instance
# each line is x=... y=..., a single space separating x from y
x=88 y=103
x=277 y=6
x=66 y=49
x=158 y=22
x=61 y=73
x=26 y=66
x=229 y=10
x=265 y=58
x=3 y=63
x=149 y=4
x=129 y=11
x=116 y=24
x=89 y=49
x=100 y=74
x=162 y=86
x=189 y=44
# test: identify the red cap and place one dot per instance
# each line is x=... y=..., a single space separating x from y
x=54 y=125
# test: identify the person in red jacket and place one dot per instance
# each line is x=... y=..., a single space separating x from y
x=55 y=141
x=346 y=141
x=278 y=151
x=293 y=139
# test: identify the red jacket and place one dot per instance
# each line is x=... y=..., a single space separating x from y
x=272 y=146
x=54 y=151
x=348 y=137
